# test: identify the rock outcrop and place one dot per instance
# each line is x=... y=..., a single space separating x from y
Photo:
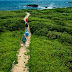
x=32 y=5
x=46 y=7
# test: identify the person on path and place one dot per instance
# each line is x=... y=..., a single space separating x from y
x=26 y=33
x=26 y=20
x=26 y=26
x=24 y=40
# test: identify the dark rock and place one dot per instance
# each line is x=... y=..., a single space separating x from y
x=45 y=7
x=32 y=5
x=69 y=2
x=54 y=7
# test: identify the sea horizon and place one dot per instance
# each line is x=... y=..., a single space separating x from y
x=18 y=5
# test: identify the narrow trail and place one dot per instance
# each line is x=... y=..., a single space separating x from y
x=22 y=57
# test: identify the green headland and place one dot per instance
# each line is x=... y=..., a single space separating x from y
x=51 y=40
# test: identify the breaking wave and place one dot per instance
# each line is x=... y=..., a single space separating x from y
x=51 y=6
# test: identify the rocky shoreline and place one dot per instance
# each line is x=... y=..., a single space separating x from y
x=32 y=5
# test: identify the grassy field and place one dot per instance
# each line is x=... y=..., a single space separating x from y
x=49 y=55
x=51 y=42
x=9 y=45
x=11 y=31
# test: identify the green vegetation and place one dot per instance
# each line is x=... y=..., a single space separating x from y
x=9 y=45
x=51 y=42
x=49 y=55
x=11 y=31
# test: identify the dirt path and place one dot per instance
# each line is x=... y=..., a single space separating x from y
x=22 y=57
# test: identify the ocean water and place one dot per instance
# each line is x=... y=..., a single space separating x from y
x=18 y=5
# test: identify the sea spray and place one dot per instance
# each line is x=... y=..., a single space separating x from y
x=50 y=6
x=43 y=4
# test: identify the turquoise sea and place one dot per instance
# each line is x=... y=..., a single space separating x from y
x=18 y=5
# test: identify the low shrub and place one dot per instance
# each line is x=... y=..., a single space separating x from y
x=62 y=37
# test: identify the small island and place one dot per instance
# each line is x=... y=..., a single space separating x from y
x=32 y=5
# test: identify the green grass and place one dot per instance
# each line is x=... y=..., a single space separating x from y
x=9 y=45
x=52 y=21
x=49 y=55
x=51 y=42
x=11 y=30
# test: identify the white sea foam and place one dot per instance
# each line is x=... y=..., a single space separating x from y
x=41 y=7
x=51 y=6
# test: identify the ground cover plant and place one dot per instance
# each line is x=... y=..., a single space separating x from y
x=9 y=45
x=11 y=31
x=51 y=42
x=49 y=55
